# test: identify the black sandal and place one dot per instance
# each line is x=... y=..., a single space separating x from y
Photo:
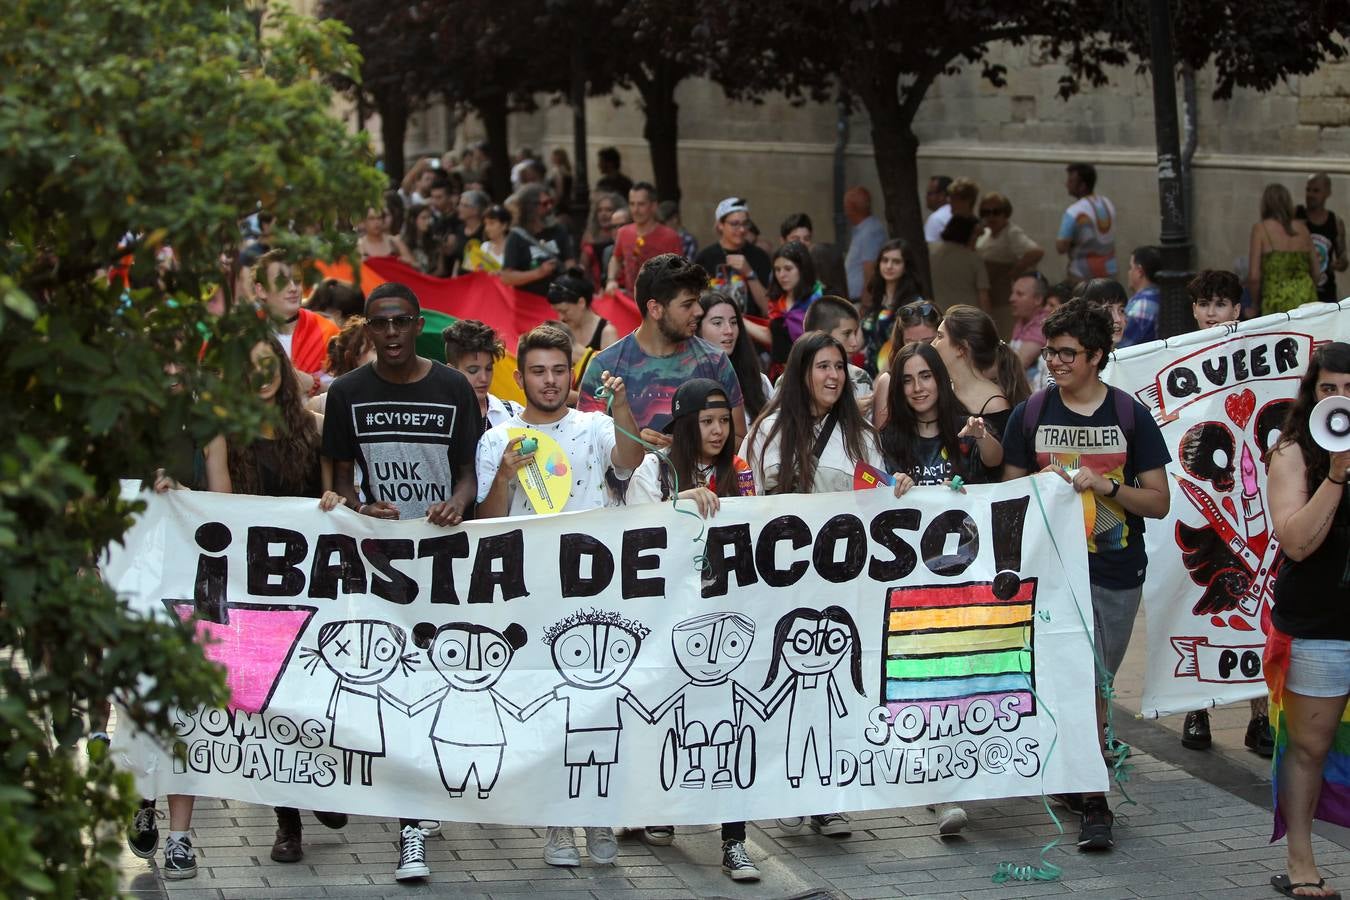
x=1282 y=884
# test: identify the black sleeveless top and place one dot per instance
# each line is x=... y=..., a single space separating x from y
x=1326 y=291
x=1312 y=595
x=271 y=483
x=598 y=336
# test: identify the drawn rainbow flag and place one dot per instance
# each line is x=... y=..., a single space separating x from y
x=952 y=644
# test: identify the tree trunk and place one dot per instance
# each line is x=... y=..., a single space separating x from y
x=662 y=128
x=896 y=150
x=492 y=110
x=393 y=111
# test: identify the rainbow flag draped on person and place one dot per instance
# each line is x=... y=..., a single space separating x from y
x=1333 y=804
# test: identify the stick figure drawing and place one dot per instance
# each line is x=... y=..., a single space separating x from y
x=708 y=708
x=362 y=653
x=811 y=644
x=467 y=732
x=592 y=651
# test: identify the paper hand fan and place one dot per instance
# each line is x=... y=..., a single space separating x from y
x=546 y=479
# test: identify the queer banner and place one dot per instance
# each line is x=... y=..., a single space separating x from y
x=1220 y=396
x=839 y=652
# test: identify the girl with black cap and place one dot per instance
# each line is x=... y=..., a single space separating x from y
x=700 y=466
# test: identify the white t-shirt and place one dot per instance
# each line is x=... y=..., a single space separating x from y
x=586 y=438
x=834 y=469
x=500 y=410
x=932 y=227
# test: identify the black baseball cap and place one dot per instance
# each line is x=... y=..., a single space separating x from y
x=693 y=397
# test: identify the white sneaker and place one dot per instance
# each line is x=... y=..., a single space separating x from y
x=412 y=855
x=601 y=845
x=951 y=819
x=561 y=847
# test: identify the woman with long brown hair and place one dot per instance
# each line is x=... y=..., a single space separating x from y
x=811 y=435
x=1281 y=262
x=1307 y=660
x=928 y=435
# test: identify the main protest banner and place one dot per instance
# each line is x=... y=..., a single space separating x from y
x=839 y=652
x=1220 y=397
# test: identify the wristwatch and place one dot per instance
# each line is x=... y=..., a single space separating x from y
x=1115 y=487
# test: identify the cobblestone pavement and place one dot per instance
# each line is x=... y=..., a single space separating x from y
x=1199 y=827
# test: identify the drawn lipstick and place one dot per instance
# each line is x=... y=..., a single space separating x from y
x=1253 y=509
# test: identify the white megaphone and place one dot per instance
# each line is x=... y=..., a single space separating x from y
x=1329 y=424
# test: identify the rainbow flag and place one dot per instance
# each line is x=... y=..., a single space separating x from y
x=480 y=296
x=954 y=644
x=1333 y=803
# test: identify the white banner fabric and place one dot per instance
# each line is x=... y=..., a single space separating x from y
x=1220 y=396
x=842 y=652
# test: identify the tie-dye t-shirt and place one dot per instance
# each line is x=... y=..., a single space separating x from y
x=651 y=381
x=1115 y=537
x=1090 y=225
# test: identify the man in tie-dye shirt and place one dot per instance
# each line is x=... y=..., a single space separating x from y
x=1087 y=232
x=663 y=352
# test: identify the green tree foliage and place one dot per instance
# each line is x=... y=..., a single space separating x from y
x=163 y=121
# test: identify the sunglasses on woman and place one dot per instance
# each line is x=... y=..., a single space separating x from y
x=919 y=311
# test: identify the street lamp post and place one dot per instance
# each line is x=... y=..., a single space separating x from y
x=581 y=193
x=1174 y=239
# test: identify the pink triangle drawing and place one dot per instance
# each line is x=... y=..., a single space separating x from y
x=254 y=646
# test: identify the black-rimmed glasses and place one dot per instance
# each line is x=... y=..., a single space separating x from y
x=1065 y=355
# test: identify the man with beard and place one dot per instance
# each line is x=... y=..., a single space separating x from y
x=663 y=352
x=592 y=443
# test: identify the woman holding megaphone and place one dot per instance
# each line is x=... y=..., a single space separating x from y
x=1308 y=651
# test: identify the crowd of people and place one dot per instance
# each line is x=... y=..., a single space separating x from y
x=772 y=372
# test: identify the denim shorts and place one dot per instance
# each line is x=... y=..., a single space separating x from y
x=1319 y=668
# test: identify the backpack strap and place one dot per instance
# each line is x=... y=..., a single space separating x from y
x=1031 y=415
x=1124 y=405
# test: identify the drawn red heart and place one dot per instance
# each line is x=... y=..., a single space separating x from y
x=1240 y=407
x=1218 y=622
x=1239 y=624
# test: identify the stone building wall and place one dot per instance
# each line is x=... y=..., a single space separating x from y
x=1014 y=139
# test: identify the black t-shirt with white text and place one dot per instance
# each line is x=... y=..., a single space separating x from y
x=408 y=439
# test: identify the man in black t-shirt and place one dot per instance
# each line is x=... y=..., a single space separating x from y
x=734 y=264
x=539 y=249
x=1328 y=235
x=413 y=426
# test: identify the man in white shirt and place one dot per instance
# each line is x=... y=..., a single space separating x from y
x=939 y=210
x=544 y=372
